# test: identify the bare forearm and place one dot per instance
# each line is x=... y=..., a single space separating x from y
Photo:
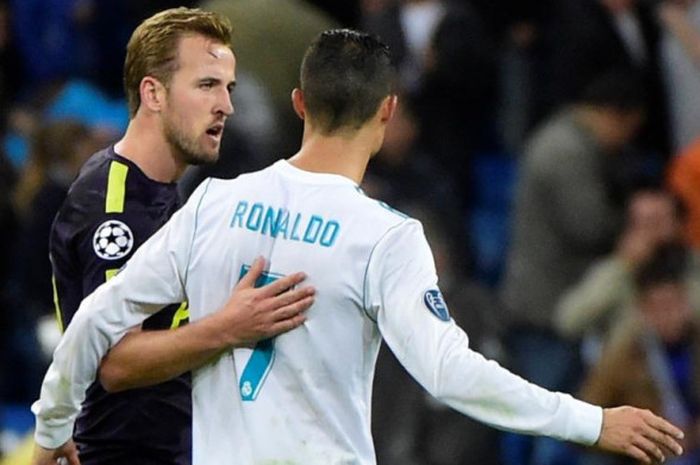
x=144 y=358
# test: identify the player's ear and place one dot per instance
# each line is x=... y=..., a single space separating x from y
x=388 y=108
x=298 y=103
x=152 y=93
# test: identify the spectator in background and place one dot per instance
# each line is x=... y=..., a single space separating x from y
x=684 y=181
x=606 y=295
x=654 y=361
x=402 y=172
x=54 y=39
x=564 y=219
x=588 y=37
x=270 y=38
x=680 y=61
x=58 y=151
x=407 y=27
x=456 y=100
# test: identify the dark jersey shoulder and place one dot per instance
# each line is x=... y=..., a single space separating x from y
x=111 y=209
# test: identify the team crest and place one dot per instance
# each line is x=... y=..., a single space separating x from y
x=436 y=304
x=113 y=240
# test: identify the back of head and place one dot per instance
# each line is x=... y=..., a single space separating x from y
x=152 y=48
x=345 y=76
x=620 y=89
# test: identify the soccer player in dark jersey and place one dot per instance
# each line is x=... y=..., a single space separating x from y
x=179 y=73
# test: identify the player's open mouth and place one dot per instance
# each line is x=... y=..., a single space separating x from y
x=216 y=131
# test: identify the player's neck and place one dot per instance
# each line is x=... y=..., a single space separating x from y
x=346 y=155
x=147 y=148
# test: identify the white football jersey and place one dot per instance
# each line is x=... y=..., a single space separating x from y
x=302 y=397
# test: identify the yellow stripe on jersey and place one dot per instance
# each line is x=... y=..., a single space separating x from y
x=182 y=313
x=109 y=274
x=116 y=187
x=57 y=304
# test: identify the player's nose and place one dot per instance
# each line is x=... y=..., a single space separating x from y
x=225 y=104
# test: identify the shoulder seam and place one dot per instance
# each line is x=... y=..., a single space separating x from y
x=369 y=259
x=194 y=230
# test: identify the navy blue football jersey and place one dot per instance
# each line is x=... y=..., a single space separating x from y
x=111 y=209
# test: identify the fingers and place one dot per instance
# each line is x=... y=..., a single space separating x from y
x=637 y=453
x=650 y=448
x=663 y=433
x=253 y=274
x=664 y=426
x=293 y=309
x=288 y=298
x=72 y=457
x=280 y=285
x=287 y=325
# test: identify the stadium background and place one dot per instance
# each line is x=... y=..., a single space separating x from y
x=477 y=78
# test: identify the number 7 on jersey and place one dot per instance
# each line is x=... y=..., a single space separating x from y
x=260 y=362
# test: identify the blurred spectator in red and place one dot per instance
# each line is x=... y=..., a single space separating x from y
x=654 y=361
x=564 y=219
x=684 y=180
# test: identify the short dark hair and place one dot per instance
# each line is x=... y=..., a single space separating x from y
x=345 y=75
x=667 y=265
x=622 y=89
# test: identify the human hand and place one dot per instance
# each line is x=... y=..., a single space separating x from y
x=635 y=246
x=639 y=434
x=67 y=454
x=252 y=314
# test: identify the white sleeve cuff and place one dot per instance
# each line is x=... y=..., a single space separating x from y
x=584 y=421
x=50 y=436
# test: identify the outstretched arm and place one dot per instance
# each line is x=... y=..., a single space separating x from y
x=414 y=320
x=144 y=358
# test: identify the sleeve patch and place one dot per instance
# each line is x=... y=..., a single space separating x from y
x=436 y=304
x=113 y=240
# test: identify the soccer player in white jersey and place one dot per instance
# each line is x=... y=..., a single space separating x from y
x=304 y=397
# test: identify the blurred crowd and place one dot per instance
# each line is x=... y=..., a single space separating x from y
x=550 y=147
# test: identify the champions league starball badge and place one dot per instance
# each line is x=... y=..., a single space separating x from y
x=436 y=304
x=113 y=240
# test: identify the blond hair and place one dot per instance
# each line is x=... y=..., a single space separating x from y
x=152 y=48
